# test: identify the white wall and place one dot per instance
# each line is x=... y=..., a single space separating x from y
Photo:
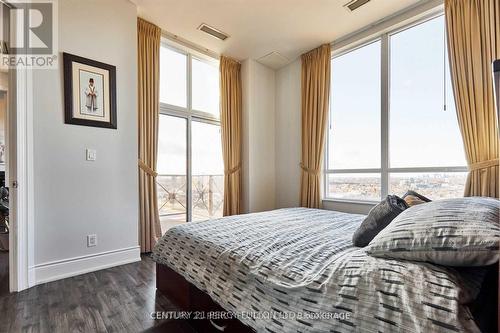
x=288 y=135
x=4 y=84
x=258 y=85
x=74 y=198
x=3 y=114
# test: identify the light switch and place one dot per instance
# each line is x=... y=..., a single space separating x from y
x=91 y=154
x=91 y=240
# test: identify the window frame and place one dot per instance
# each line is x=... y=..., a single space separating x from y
x=385 y=170
x=188 y=113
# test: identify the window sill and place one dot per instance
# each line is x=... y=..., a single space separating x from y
x=348 y=201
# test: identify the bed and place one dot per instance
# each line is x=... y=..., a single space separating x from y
x=296 y=270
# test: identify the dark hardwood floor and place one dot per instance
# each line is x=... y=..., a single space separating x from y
x=119 y=299
x=4 y=273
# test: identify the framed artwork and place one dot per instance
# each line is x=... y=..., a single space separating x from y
x=89 y=92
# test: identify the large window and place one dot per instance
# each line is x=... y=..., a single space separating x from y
x=393 y=124
x=190 y=167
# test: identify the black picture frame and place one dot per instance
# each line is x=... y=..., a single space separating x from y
x=69 y=112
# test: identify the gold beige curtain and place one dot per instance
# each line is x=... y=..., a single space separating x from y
x=473 y=28
x=148 y=53
x=230 y=101
x=315 y=101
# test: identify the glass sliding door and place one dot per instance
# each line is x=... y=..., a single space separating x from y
x=190 y=166
x=207 y=171
x=172 y=171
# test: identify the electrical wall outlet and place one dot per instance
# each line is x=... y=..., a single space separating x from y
x=91 y=154
x=91 y=240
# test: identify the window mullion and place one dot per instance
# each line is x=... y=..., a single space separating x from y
x=326 y=159
x=384 y=113
x=189 y=182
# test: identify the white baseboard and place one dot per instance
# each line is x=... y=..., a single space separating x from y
x=61 y=269
x=31 y=277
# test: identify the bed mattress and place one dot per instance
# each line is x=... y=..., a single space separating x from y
x=296 y=270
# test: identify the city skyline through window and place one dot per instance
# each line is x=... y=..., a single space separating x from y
x=414 y=143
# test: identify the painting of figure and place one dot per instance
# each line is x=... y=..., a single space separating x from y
x=89 y=92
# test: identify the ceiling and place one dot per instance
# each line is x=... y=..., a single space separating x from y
x=259 y=27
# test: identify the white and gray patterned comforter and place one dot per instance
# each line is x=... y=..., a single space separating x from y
x=296 y=270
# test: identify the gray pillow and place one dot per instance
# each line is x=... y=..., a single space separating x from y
x=378 y=218
x=452 y=232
